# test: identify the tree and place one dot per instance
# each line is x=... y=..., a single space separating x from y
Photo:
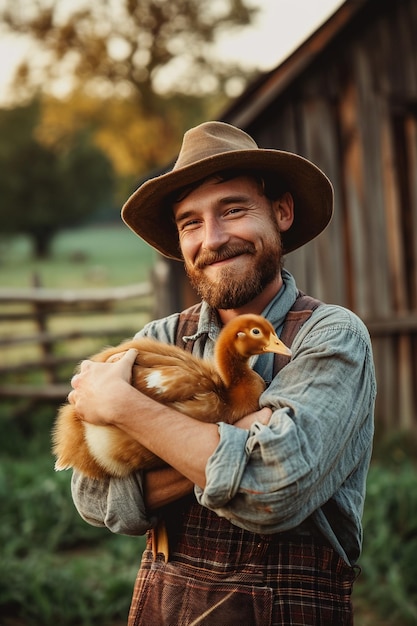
x=128 y=48
x=44 y=189
x=147 y=65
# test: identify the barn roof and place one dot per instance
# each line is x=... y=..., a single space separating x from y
x=269 y=86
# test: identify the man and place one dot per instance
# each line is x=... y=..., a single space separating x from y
x=263 y=517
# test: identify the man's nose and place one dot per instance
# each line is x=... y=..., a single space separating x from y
x=215 y=235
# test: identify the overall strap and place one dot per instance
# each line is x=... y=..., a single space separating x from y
x=187 y=325
x=299 y=313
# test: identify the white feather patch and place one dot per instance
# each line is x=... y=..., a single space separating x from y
x=99 y=440
x=155 y=380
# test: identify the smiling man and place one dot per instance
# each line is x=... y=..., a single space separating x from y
x=263 y=517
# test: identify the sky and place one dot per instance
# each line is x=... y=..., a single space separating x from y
x=280 y=27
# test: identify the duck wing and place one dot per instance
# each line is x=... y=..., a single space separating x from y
x=177 y=379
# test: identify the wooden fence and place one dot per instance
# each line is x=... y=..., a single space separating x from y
x=44 y=333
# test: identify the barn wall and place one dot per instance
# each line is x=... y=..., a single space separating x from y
x=354 y=113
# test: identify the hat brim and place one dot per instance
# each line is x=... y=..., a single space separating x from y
x=148 y=213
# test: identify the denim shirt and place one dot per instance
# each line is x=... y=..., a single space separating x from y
x=310 y=461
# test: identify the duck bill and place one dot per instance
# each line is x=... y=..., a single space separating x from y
x=276 y=345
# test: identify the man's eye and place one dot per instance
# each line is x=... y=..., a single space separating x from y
x=189 y=225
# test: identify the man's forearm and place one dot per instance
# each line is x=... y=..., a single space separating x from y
x=165 y=485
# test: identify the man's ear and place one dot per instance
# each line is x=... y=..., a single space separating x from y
x=284 y=211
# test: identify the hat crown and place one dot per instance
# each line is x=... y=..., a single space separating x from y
x=211 y=139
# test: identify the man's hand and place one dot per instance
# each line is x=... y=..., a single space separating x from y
x=98 y=388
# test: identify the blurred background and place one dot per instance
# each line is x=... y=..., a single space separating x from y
x=95 y=98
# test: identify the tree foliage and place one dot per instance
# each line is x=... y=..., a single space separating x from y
x=45 y=188
x=136 y=142
x=128 y=47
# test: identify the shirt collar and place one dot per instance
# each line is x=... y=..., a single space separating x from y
x=282 y=302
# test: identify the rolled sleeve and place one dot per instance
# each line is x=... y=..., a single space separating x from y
x=225 y=467
x=114 y=503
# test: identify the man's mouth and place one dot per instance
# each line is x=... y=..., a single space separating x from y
x=215 y=258
x=224 y=260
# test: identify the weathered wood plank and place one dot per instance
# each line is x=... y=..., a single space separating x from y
x=411 y=149
x=392 y=326
x=74 y=296
x=46 y=392
x=67 y=336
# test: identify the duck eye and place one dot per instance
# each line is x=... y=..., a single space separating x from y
x=255 y=331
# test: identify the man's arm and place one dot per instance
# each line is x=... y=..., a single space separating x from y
x=103 y=395
x=127 y=505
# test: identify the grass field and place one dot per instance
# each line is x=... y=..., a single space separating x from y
x=97 y=256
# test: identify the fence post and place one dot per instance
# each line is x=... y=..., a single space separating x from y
x=172 y=288
x=46 y=344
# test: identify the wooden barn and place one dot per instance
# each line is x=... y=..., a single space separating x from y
x=347 y=100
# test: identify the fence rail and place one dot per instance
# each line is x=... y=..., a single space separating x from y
x=44 y=333
x=40 y=333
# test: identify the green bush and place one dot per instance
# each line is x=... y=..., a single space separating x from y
x=389 y=560
x=54 y=568
x=69 y=590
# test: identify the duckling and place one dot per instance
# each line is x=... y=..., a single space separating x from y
x=225 y=390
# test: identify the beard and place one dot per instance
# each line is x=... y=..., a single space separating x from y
x=232 y=290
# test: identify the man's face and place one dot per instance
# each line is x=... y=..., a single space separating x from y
x=230 y=240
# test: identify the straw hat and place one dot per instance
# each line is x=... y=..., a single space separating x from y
x=215 y=146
